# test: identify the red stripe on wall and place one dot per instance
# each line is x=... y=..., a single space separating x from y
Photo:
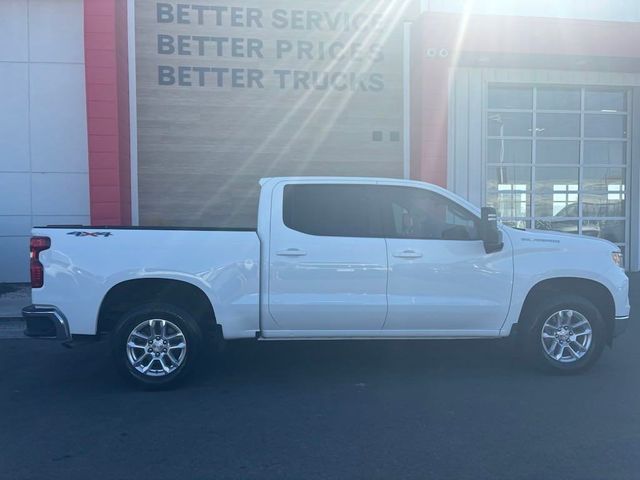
x=106 y=77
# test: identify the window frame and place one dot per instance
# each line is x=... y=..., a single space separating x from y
x=377 y=202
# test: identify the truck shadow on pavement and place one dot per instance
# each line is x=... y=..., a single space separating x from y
x=334 y=359
x=89 y=366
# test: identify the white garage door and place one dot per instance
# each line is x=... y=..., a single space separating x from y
x=557 y=158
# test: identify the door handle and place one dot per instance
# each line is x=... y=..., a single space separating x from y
x=407 y=254
x=291 y=252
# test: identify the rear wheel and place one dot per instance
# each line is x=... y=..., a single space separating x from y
x=567 y=334
x=156 y=345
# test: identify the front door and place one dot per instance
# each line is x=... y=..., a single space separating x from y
x=441 y=280
x=328 y=261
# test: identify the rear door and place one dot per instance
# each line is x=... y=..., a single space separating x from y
x=328 y=260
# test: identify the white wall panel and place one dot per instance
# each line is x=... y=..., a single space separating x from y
x=15 y=194
x=476 y=139
x=15 y=225
x=60 y=194
x=54 y=30
x=568 y=77
x=466 y=175
x=12 y=266
x=43 y=127
x=14 y=117
x=460 y=150
x=634 y=231
x=14 y=46
x=14 y=261
x=58 y=118
x=610 y=10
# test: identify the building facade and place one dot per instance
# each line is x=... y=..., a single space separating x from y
x=163 y=113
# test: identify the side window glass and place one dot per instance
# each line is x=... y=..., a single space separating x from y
x=421 y=214
x=332 y=210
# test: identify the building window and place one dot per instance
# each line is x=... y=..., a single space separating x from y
x=556 y=158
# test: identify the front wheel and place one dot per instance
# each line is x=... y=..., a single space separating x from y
x=156 y=344
x=567 y=334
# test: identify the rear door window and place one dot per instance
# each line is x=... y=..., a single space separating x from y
x=337 y=210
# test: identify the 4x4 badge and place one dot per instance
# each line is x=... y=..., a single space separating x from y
x=90 y=234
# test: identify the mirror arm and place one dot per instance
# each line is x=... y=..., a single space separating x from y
x=490 y=247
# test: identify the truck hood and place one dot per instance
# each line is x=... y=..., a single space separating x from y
x=561 y=240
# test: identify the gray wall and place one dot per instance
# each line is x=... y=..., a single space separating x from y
x=43 y=131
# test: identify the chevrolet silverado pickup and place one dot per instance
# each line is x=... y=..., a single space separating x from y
x=331 y=258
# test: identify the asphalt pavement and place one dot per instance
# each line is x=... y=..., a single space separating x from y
x=307 y=410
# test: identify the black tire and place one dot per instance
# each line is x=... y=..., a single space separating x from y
x=181 y=319
x=543 y=310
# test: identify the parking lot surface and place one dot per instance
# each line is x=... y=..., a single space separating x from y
x=306 y=410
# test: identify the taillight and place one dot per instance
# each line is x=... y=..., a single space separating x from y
x=37 y=245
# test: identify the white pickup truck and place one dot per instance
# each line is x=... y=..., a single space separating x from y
x=332 y=258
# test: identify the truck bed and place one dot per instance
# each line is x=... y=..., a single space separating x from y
x=84 y=263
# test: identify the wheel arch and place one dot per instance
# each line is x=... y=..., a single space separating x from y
x=594 y=291
x=128 y=294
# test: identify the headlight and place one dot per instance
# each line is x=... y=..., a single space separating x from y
x=617 y=259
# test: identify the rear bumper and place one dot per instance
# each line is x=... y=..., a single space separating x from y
x=46 y=321
x=620 y=325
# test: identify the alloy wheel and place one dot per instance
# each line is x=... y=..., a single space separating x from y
x=156 y=347
x=566 y=336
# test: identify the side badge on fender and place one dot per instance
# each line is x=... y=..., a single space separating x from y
x=90 y=234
